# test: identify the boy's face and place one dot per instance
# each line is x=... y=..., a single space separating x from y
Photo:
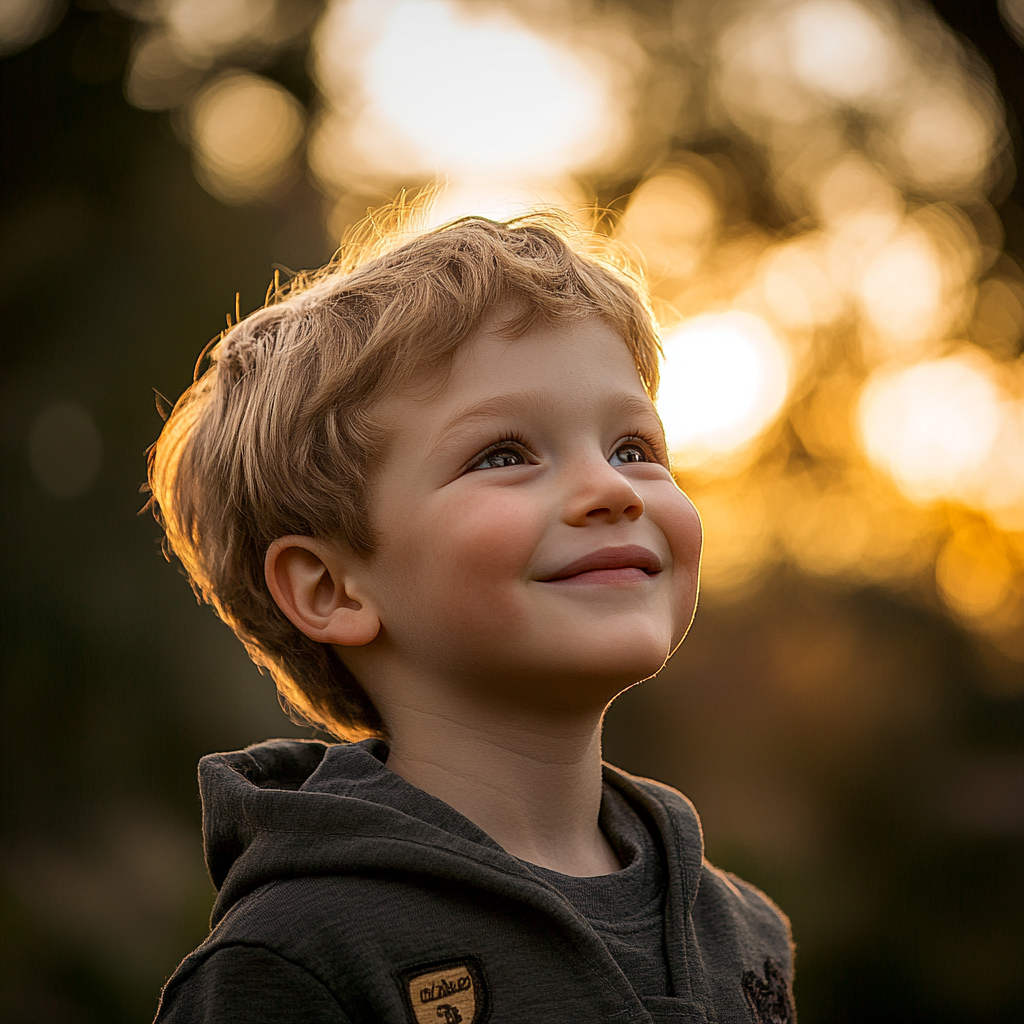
x=532 y=541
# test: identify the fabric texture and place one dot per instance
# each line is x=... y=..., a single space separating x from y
x=347 y=895
x=626 y=908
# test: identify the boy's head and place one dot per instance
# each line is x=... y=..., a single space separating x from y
x=292 y=431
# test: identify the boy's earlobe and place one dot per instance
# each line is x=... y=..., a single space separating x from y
x=307 y=579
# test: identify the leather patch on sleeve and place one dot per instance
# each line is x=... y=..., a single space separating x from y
x=769 y=999
x=446 y=992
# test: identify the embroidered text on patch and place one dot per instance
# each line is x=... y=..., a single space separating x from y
x=451 y=992
x=769 y=999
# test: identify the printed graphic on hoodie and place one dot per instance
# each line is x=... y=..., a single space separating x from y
x=769 y=999
x=446 y=993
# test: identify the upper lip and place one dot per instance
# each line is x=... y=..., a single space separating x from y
x=632 y=556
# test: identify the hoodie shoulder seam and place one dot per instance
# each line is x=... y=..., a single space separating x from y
x=223 y=945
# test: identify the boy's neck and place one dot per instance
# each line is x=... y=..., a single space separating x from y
x=531 y=782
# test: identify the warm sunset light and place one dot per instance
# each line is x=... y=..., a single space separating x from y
x=932 y=426
x=671 y=220
x=901 y=292
x=842 y=50
x=427 y=86
x=499 y=201
x=822 y=169
x=943 y=141
x=246 y=129
x=824 y=201
x=724 y=378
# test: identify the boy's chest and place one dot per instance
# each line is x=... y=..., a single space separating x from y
x=450 y=954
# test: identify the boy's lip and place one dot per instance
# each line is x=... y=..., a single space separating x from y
x=631 y=556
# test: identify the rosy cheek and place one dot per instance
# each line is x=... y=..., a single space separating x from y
x=484 y=545
x=682 y=527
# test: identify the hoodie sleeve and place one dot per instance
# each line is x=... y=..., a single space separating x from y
x=241 y=984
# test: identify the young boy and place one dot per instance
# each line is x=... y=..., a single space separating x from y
x=429 y=491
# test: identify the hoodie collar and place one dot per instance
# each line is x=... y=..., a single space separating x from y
x=304 y=806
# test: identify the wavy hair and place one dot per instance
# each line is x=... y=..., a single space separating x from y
x=277 y=434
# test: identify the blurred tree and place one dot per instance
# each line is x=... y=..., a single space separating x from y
x=852 y=749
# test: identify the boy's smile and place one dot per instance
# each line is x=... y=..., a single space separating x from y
x=532 y=541
x=631 y=564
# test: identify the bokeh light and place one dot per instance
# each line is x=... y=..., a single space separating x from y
x=944 y=141
x=430 y=87
x=1013 y=17
x=1000 y=490
x=973 y=573
x=932 y=426
x=798 y=288
x=807 y=184
x=671 y=221
x=824 y=198
x=203 y=29
x=901 y=292
x=23 y=22
x=160 y=76
x=246 y=129
x=723 y=380
x=841 y=49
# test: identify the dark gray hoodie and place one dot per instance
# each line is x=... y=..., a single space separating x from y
x=348 y=895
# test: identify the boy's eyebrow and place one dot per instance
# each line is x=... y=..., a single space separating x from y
x=508 y=403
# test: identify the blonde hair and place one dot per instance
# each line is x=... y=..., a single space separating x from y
x=278 y=435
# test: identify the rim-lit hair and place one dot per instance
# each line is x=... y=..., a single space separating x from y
x=278 y=435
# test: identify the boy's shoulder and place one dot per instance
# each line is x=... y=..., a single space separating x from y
x=327 y=814
x=711 y=893
x=338 y=880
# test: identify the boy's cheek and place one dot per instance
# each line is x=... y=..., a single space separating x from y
x=671 y=511
x=463 y=561
x=489 y=539
x=685 y=533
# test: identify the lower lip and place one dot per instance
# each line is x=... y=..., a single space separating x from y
x=604 y=577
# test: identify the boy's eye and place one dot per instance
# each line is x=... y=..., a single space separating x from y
x=499 y=458
x=627 y=453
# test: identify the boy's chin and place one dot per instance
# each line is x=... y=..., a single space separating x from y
x=590 y=684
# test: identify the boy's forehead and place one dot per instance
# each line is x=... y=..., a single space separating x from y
x=584 y=364
x=585 y=357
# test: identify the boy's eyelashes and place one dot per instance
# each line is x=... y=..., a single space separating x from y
x=513 y=450
x=652 y=446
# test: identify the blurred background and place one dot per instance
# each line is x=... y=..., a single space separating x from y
x=825 y=196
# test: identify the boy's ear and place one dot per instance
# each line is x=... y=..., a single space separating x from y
x=308 y=580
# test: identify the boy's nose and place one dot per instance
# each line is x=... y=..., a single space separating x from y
x=602 y=493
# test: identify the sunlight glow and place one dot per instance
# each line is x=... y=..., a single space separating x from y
x=204 y=29
x=724 y=378
x=246 y=130
x=902 y=292
x=932 y=426
x=501 y=202
x=944 y=142
x=671 y=219
x=439 y=90
x=840 y=49
x=972 y=574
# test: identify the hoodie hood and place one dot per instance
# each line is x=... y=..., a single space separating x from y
x=327 y=861
x=288 y=808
